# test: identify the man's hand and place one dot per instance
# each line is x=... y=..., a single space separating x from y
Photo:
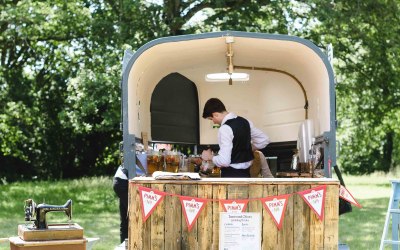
x=196 y=160
x=207 y=155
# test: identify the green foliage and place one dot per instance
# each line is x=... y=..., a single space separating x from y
x=364 y=36
x=60 y=97
x=61 y=65
x=37 y=57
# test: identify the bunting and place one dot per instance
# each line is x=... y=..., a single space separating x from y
x=191 y=209
x=315 y=198
x=346 y=195
x=234 y=206
x=149 y=198
x=276 y=207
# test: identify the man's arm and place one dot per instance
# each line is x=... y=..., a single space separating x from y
x=225 y=138
x=259 y=139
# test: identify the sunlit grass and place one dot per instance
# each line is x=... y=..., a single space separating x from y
x=362 y=228
x=370 y=186
x=95 y=207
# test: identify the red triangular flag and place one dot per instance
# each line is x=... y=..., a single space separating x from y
x=234 y=206
x=191 y=208
x=276 y=207
x=315 y=198
x=149 y=199
x=346 y=195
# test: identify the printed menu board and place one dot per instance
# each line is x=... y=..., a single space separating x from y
x=239 y=231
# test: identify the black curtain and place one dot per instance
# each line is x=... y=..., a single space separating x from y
x=175 y=110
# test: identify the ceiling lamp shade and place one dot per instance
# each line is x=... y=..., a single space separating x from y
x=229 y=76
x=219 y=77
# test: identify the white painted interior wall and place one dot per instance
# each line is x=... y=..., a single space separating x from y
x=272 y=100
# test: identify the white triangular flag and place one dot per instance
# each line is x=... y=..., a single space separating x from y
x=150 y=199
x=234 y=206
x=276 y=207
x=346 y=195
x=191 y=208
x=315 y=198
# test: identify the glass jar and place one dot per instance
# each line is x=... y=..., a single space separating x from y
x=154 y=162
x=193 y=160
x=172 y=160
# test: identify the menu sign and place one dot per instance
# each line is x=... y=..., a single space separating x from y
x=239 y=231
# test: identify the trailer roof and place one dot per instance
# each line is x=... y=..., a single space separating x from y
x=272 y=98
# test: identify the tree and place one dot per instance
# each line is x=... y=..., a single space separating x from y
x=61 y=67
x=93 y=95
x=37 y=57
x=364 y=35
x=60 y=71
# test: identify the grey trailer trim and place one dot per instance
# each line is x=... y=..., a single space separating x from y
x=129 y=139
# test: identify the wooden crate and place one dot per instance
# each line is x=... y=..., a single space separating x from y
x=166 y=228
x=16 y=243
x=53 y=232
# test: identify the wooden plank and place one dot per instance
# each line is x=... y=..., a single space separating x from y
x=57 y=231
x=219 y=192
x=255 y=192
x=16 y=243
x=291 y=174
x=301 y=218
x=269 y=229
x=146 y=233
x=166 y=228
x=173 y=217
x=145 y=140
x=241 y=181
x=189 y=239
x=157 y=218
x=135 y=230
x=237 y=192
x=316 y=230
x=204 y=221
x=285 y=235
x=331 y=232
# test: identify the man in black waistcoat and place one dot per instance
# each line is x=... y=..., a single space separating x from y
x=237 y=138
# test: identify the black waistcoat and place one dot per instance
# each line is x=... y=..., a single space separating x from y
x=241 y=150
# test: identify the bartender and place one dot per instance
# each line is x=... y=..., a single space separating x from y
x=237 y=139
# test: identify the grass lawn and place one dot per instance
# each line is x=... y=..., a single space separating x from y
x=362 y=228
x=95 y=208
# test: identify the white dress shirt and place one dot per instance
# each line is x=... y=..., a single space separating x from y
x=259 y=140
x=120 y=174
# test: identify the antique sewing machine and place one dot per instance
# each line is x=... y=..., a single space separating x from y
x=40 y=211
x=48 y=236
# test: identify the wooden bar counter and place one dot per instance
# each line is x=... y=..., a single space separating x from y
x=166 y=227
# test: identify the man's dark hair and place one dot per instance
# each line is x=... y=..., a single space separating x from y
x=211 y=106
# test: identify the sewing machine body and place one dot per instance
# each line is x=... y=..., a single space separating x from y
x=40 y=211
x=48 y=236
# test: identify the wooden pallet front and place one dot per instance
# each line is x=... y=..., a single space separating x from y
x=61 y=231
x=16 y=243
x=166 y=228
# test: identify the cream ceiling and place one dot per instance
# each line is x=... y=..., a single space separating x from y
x=272 y=100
